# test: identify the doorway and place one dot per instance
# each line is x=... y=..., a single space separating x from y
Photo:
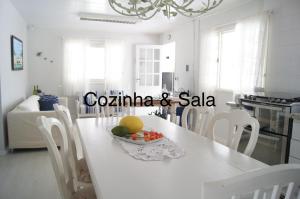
x=155 y=69
x=148 y=70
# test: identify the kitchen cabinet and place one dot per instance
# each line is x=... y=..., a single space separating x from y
x=296 y=130
x=294 y=160
x=295 y=141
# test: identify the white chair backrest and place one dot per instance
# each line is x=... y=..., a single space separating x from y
x=105 y=110
x=59 y=160
x=267 y=183
x=63 y=114
x=126 y=109
x=121 y=109
x=122 y=104
x=203 y=116
x=237 y=121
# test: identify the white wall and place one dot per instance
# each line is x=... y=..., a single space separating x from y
x=49 y=75
x=283 y=73
x=168 y=57
x=183 y=36
x=41 y=72
x=13 y=83
x=230 y=16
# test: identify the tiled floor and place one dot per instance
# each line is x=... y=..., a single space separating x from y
x=27 y=175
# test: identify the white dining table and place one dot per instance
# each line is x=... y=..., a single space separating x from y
x=117 y=175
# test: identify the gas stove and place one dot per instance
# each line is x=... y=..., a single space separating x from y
x=273 y=99
x=273 y=111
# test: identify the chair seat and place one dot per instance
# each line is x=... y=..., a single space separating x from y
x=84 y=174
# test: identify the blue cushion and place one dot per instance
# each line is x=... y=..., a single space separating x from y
x=179 y=111
x=47 y=101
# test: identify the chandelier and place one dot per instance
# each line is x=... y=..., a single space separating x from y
x=146 y=9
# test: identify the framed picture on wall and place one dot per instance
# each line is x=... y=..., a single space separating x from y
x=16 y=53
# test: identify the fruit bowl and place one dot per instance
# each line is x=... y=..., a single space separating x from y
x=141 y=138
x=131 y=129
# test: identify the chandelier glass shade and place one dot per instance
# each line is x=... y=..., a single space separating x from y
x=146 y=9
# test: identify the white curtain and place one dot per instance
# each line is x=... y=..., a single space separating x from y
x=75 y=74
x=114 y=55
x=74 y=66
x=208 y=62
x=250 y=60
x=252 y=35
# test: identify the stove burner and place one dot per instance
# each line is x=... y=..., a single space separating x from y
x=271 y=99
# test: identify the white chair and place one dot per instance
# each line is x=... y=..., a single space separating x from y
x=237 y=121
x=80 y=169
x=202 y=117
x=267 y=183
x=110 y=111
x=60 y=161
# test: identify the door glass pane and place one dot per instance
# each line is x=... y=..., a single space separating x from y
x=156 y=80
x=142 y=80
x=149 y=80
x=142 y=67
x=142 y=54
x=149 y=67
x=156 y=67
x=157 y=54
x=149 y=54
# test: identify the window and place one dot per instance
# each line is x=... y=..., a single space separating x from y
x=95 y=62
x=241 y=51
x=227 y=70
x=242 y=55
x=91 y=64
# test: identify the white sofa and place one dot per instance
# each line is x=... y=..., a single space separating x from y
x=21 y=122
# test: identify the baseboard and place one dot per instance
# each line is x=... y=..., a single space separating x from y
x=3 y=152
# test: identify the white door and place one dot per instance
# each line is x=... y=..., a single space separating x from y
x=148 y=70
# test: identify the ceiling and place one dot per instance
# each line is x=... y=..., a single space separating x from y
x=61 y=14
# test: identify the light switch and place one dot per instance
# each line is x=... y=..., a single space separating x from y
x=187 y=68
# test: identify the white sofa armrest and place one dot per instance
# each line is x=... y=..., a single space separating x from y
x=63 y=101
x=23 y=131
